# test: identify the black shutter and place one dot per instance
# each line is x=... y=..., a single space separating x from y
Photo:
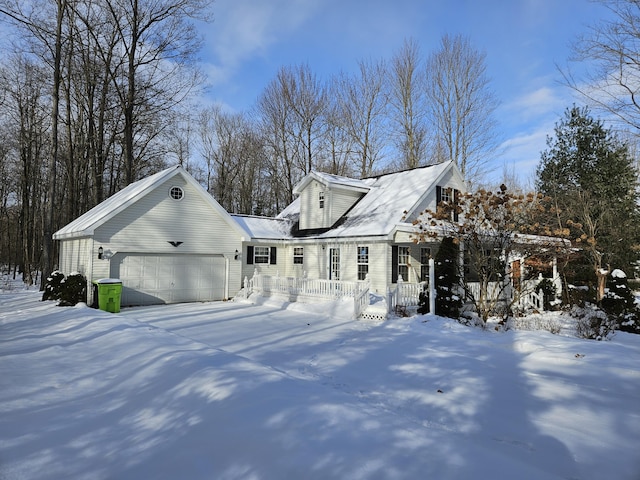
x=249 y=254
x=438 y=195
x=272 y=255
x=456 y=199
x=394 y=263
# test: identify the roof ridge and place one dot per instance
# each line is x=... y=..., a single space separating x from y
x=406 y=170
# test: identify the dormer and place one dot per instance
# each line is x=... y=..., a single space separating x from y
x=325 y=198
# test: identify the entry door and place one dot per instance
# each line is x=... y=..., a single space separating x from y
x=334 y=264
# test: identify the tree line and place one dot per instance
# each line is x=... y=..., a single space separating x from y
x=96 y=95
x=99 y=94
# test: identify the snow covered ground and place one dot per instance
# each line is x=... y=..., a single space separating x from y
x=286 y=391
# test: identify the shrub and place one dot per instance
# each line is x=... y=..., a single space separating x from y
x=593 y=323
x=68 y=291
x=619 y=303
x=74 y=290
x=53 y=286
x=448 y=302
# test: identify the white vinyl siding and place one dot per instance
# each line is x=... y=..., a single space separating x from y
x=311 y=215
x=341 y=202
x=156 y=219
x=429 y=202
x=76 y=255
x=336 y=202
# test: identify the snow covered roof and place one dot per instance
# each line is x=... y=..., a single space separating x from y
x=264 y=227
x=385 y=203
x=334 y=181
x=86 y=224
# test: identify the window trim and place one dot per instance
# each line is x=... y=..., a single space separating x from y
x=298 y=257
x=362 y=261
x=251 y=255
x=178 y=191
x=404 y=266
x=424 y=263
x=334 y=263
x=321 y=199
x=264 y=257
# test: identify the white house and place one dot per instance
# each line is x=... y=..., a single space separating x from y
x=343 y=229
x=169 y=241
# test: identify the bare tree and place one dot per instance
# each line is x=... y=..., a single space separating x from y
x=461 y=105
x=307 y=98
x=338 y=144
x=363 y=104
x=159 y=42
x=609 y=58
x=27 y=99
x=407 y=105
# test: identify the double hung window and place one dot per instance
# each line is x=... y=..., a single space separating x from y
x=363 y=262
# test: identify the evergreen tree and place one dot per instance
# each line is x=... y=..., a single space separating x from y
x=589 y=178
x=448 y=301
x=619 y=302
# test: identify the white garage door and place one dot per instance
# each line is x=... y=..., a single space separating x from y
x=151 y=279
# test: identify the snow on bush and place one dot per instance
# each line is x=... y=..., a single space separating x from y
x=593 y=323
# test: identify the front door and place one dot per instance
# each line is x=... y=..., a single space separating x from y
x=334 y=264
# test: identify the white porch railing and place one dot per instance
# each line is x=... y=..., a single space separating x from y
x=527 y=298
x=405 y=294
x=298 y=288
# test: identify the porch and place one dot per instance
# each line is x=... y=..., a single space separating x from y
x=401 y=298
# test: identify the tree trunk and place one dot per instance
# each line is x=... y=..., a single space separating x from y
x=47 y=243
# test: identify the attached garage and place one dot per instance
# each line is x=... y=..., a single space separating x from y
x=149 y=279
x=164 y=237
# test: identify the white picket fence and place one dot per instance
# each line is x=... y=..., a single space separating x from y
x=299 y=289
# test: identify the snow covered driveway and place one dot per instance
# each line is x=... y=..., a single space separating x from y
x=234 y=391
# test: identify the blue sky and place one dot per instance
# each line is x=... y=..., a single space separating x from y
x=524 y=41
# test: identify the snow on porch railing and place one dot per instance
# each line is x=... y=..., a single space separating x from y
x=310 y=287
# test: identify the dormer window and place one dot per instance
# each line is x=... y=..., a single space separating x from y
x=449 y=197
x=321 y=199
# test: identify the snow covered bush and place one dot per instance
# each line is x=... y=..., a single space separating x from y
x=53 y=286
x=74 y=290
x=619 y=303
x=68 y=291
x=593 y=323
x=536 y=323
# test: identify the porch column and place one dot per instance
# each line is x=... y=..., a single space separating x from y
x=432 y=286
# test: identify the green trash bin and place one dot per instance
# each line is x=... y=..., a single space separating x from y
x=109 y=293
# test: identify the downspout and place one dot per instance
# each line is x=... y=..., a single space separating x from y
x=226 y=275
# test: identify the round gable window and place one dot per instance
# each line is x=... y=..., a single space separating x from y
x=176 y=193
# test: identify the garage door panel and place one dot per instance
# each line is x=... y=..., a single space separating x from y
x=153 y=279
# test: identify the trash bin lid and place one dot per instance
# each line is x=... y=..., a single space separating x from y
x=108 y=280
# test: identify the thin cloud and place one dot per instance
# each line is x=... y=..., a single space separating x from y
x=244 y=29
